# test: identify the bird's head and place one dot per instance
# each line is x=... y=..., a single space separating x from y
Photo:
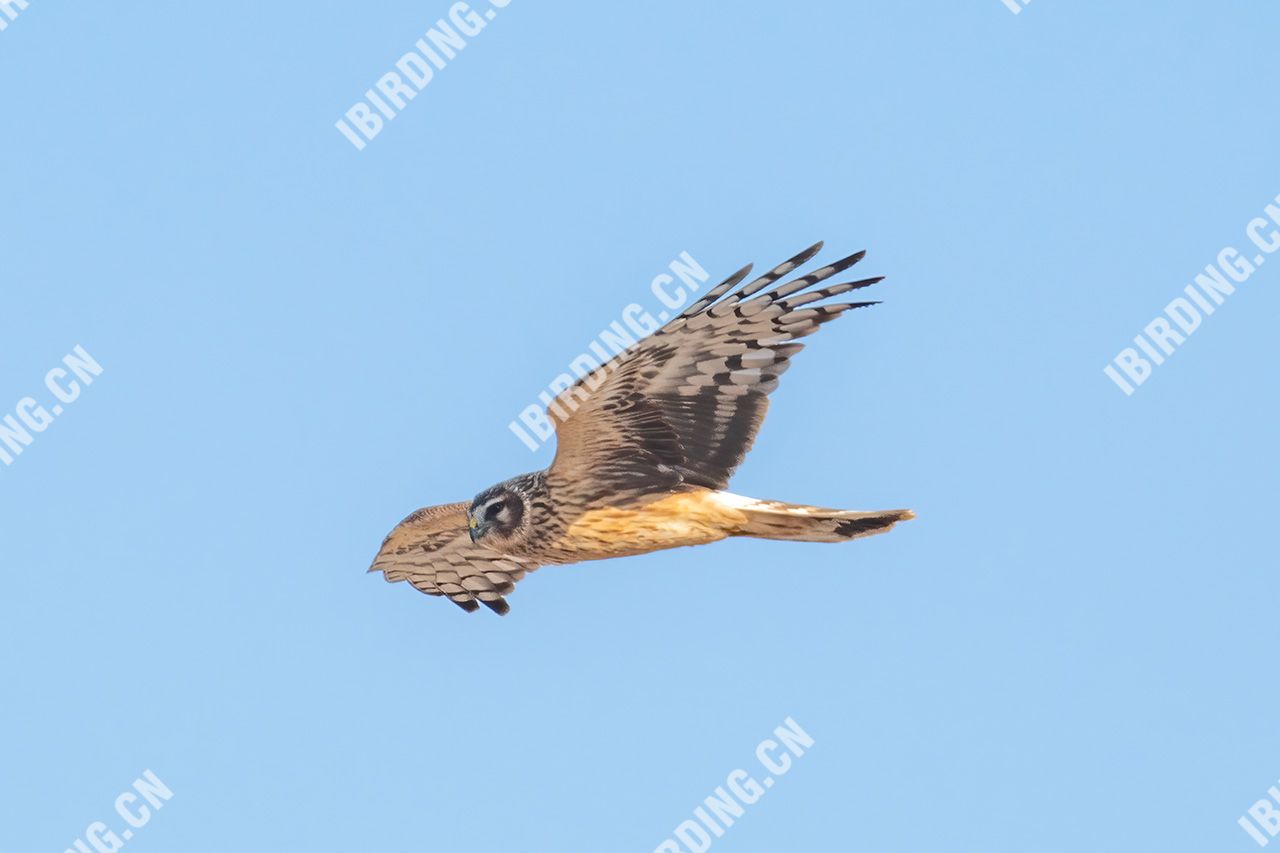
x=498 y=517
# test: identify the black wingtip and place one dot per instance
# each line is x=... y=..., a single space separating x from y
x=468 y=604
x=845 y=263
x=500 y=606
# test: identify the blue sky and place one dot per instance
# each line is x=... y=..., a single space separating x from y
x=1072 y=648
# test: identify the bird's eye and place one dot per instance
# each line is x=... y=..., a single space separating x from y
x=492 y=510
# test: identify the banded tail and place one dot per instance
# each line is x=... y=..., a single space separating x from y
x=799 y=523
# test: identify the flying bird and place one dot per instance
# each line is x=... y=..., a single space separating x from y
x=646 y=445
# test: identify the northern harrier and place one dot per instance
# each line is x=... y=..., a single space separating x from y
x=646 y=446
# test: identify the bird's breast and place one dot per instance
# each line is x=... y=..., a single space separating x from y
x=686 y=518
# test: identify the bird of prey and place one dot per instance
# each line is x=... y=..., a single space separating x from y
x=646 y=445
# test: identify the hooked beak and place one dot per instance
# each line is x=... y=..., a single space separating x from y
x=473 y=527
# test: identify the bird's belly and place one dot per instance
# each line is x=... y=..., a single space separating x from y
x=687 y=518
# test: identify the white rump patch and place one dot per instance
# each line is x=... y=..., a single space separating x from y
x=732 y=501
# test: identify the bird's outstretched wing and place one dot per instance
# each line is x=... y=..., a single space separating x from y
x=683 y=405
x=432 y=550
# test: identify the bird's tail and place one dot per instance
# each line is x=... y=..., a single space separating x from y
x=797 y=523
